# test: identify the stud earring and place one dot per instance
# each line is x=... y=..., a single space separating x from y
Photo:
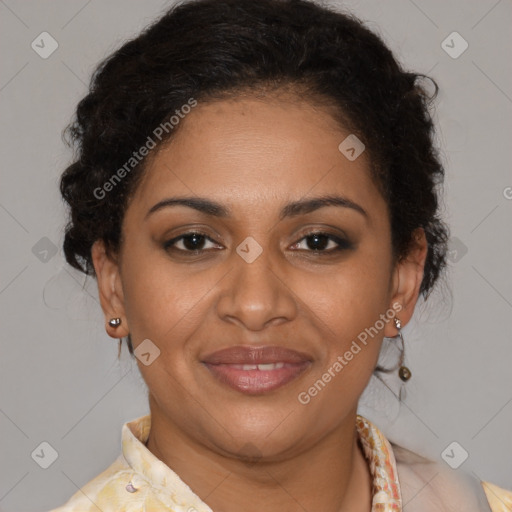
x=114 y=322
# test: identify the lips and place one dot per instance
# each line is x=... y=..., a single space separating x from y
x=242 y=354
x=256 y=370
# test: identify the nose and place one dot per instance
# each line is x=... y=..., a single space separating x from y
x=256 y=293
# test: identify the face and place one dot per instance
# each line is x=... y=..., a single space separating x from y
x=264 y=265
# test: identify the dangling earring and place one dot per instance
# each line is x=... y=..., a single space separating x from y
x=403 y=372
x=114 y=322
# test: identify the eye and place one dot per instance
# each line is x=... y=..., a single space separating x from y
x=196 y=242
x=320 y=241
x=192 y=241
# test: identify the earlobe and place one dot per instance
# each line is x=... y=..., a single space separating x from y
x=407 y=279
x=109 y=290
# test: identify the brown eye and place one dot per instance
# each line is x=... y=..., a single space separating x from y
x=190 y=242
x=323 y=242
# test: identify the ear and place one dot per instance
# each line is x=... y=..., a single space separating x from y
x=407 y=278
x=110 y=289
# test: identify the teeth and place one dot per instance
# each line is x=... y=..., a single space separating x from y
x=261 y=367
x=270 y=366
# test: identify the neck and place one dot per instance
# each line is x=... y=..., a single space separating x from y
x=332 y=475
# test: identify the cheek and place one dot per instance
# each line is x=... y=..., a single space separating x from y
x=346 y=306
x=351 y=298
x=160 y=299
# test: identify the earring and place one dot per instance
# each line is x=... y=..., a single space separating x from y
x=114 y=322
x=403 y=372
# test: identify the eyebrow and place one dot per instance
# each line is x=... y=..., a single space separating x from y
x=292 y=209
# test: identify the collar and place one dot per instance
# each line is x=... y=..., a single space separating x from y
x=382 y=464
x=376 y=449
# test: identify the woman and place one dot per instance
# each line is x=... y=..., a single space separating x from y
x=256 y=194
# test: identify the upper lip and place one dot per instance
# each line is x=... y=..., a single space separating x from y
x=243 y=354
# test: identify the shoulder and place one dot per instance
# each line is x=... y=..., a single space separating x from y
x=428 y=485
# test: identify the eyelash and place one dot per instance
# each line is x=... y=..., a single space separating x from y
x=343 y=244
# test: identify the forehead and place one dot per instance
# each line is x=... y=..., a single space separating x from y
x=247 y=151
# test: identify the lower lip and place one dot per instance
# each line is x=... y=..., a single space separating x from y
x=255 y=382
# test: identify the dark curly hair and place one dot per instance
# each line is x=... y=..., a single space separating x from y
x=212 y=49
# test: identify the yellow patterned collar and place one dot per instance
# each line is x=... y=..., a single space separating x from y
x=382 y=464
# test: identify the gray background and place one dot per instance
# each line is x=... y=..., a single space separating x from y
x=60 y=380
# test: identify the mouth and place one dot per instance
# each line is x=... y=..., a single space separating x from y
x=256 y=370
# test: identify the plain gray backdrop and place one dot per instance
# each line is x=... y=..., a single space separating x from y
x=60 y=379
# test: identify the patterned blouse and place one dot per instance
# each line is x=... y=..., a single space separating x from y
x=138 y=481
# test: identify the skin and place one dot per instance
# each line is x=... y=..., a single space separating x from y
x=253 y=156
